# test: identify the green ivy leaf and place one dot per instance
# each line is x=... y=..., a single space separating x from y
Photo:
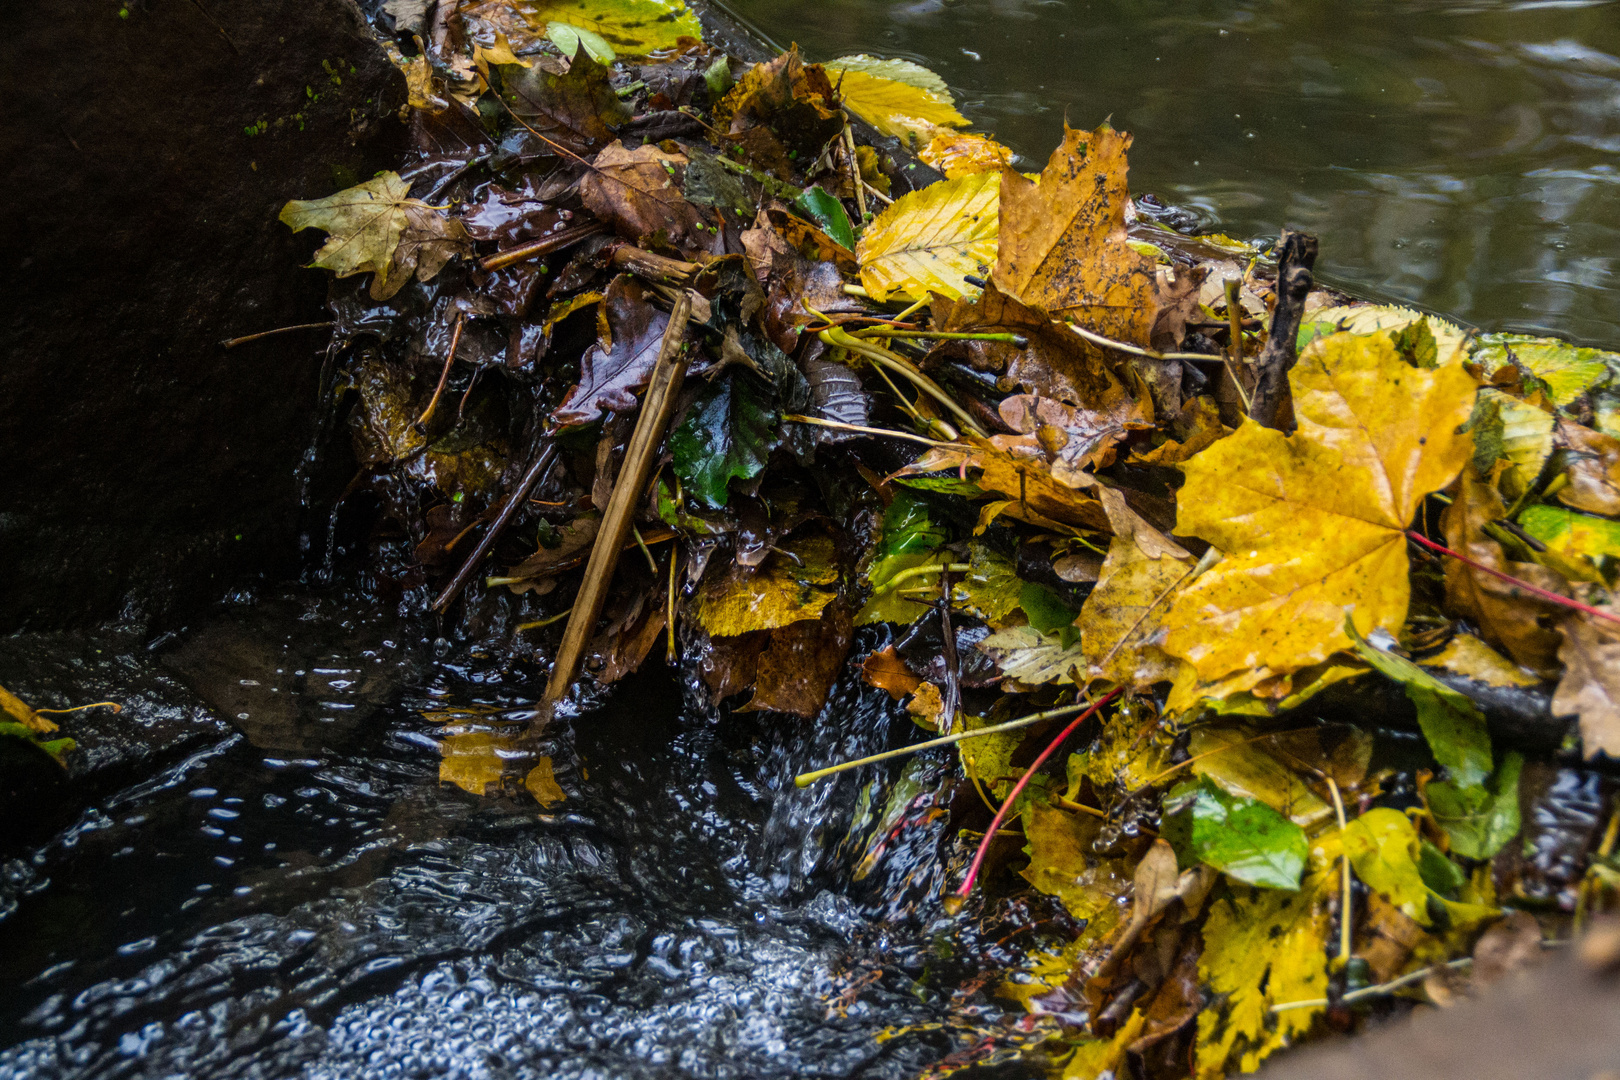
x=728 y=434
x=1243 y=838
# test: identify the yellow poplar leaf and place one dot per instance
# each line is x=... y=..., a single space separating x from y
x=1313 y=523
x=542 y=783
x=473 y=760
x=778 y=593
x=1124 y=611
x=929 y=240
x=962 y=153
x=895 y=96
x=1263 y=947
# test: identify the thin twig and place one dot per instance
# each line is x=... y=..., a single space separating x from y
x=658 y=406
x=497 y=527
x=1344 y=906
x=941 y=335
x=546 y=245
x=231 y=343
x=806 y=779
x=1137 y=350
x=444 y=376
x=855 y=171
x=859 y=429
x=1375 y=991
x=1574 y=605
x=879 y=355
x=1234 y=315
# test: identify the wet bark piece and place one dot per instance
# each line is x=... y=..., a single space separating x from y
x=154 y=466
x=1298 y=255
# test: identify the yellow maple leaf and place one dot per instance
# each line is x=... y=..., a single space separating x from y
x=897 y=97
x=931 y=240
x=1313 y=523
x=1263 y=947
x=1124 y=611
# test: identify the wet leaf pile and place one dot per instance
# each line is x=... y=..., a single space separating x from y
x=648 y=351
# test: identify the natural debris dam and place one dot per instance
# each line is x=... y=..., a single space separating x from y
x=1249 y=635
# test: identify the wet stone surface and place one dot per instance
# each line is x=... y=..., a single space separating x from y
x=301 y=896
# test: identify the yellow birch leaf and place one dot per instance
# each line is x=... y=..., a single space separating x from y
x=1467 y=655
x=962 y=153
x=778 y=593
x=1263 y=947
x=473 y=760
x=897 y=97
x=929 y=240
x=634 y=28
x=1313 y=523
x=1450 y=341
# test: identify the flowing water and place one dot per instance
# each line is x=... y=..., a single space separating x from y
x=1463 y=155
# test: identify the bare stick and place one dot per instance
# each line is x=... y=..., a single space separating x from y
x=534 y=249
x=1297 y=256
x=657 y=407
x=444 y=376
x=653 y=267
x=806 y=779
x=496 y=528
x=231 y=343
x=861 y=430
x=855 y=170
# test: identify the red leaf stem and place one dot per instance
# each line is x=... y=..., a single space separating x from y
x=1575 y=605
x=1023 y=781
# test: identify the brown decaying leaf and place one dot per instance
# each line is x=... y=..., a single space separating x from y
x=577 y=109
x=611 y=373
x=1056 y=363
x=885 y=670
x=575 y=540
x=789 y=101
x=1507 y=616
x=1071 y=439
x=800 y=662
x=1063 y=241
x=638 y=192
x=1590 y=687
x=1200 y=420
x=1593 y=470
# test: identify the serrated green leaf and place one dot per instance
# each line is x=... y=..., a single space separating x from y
x=1568 y=370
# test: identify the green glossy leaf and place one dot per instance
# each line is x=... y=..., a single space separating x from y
x=826 y=211
x=1571 y=533
x=1480 y=819
x=1048 y=613
x=941 y=485
x=728 y=434
x=1242 y=837
x=908 y=528
x=570 y=39
x=1453 y=725
x=1439 y=873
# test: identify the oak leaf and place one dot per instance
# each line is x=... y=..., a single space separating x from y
x=1590 y=687
x=1313 y=523
x=932 y=239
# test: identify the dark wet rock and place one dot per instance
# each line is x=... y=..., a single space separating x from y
x=144 y=465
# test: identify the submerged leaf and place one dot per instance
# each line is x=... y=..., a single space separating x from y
x=542 y=784
x=931 y=240
x=780 y=592
x=1314 y=523
x=1063 y=863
